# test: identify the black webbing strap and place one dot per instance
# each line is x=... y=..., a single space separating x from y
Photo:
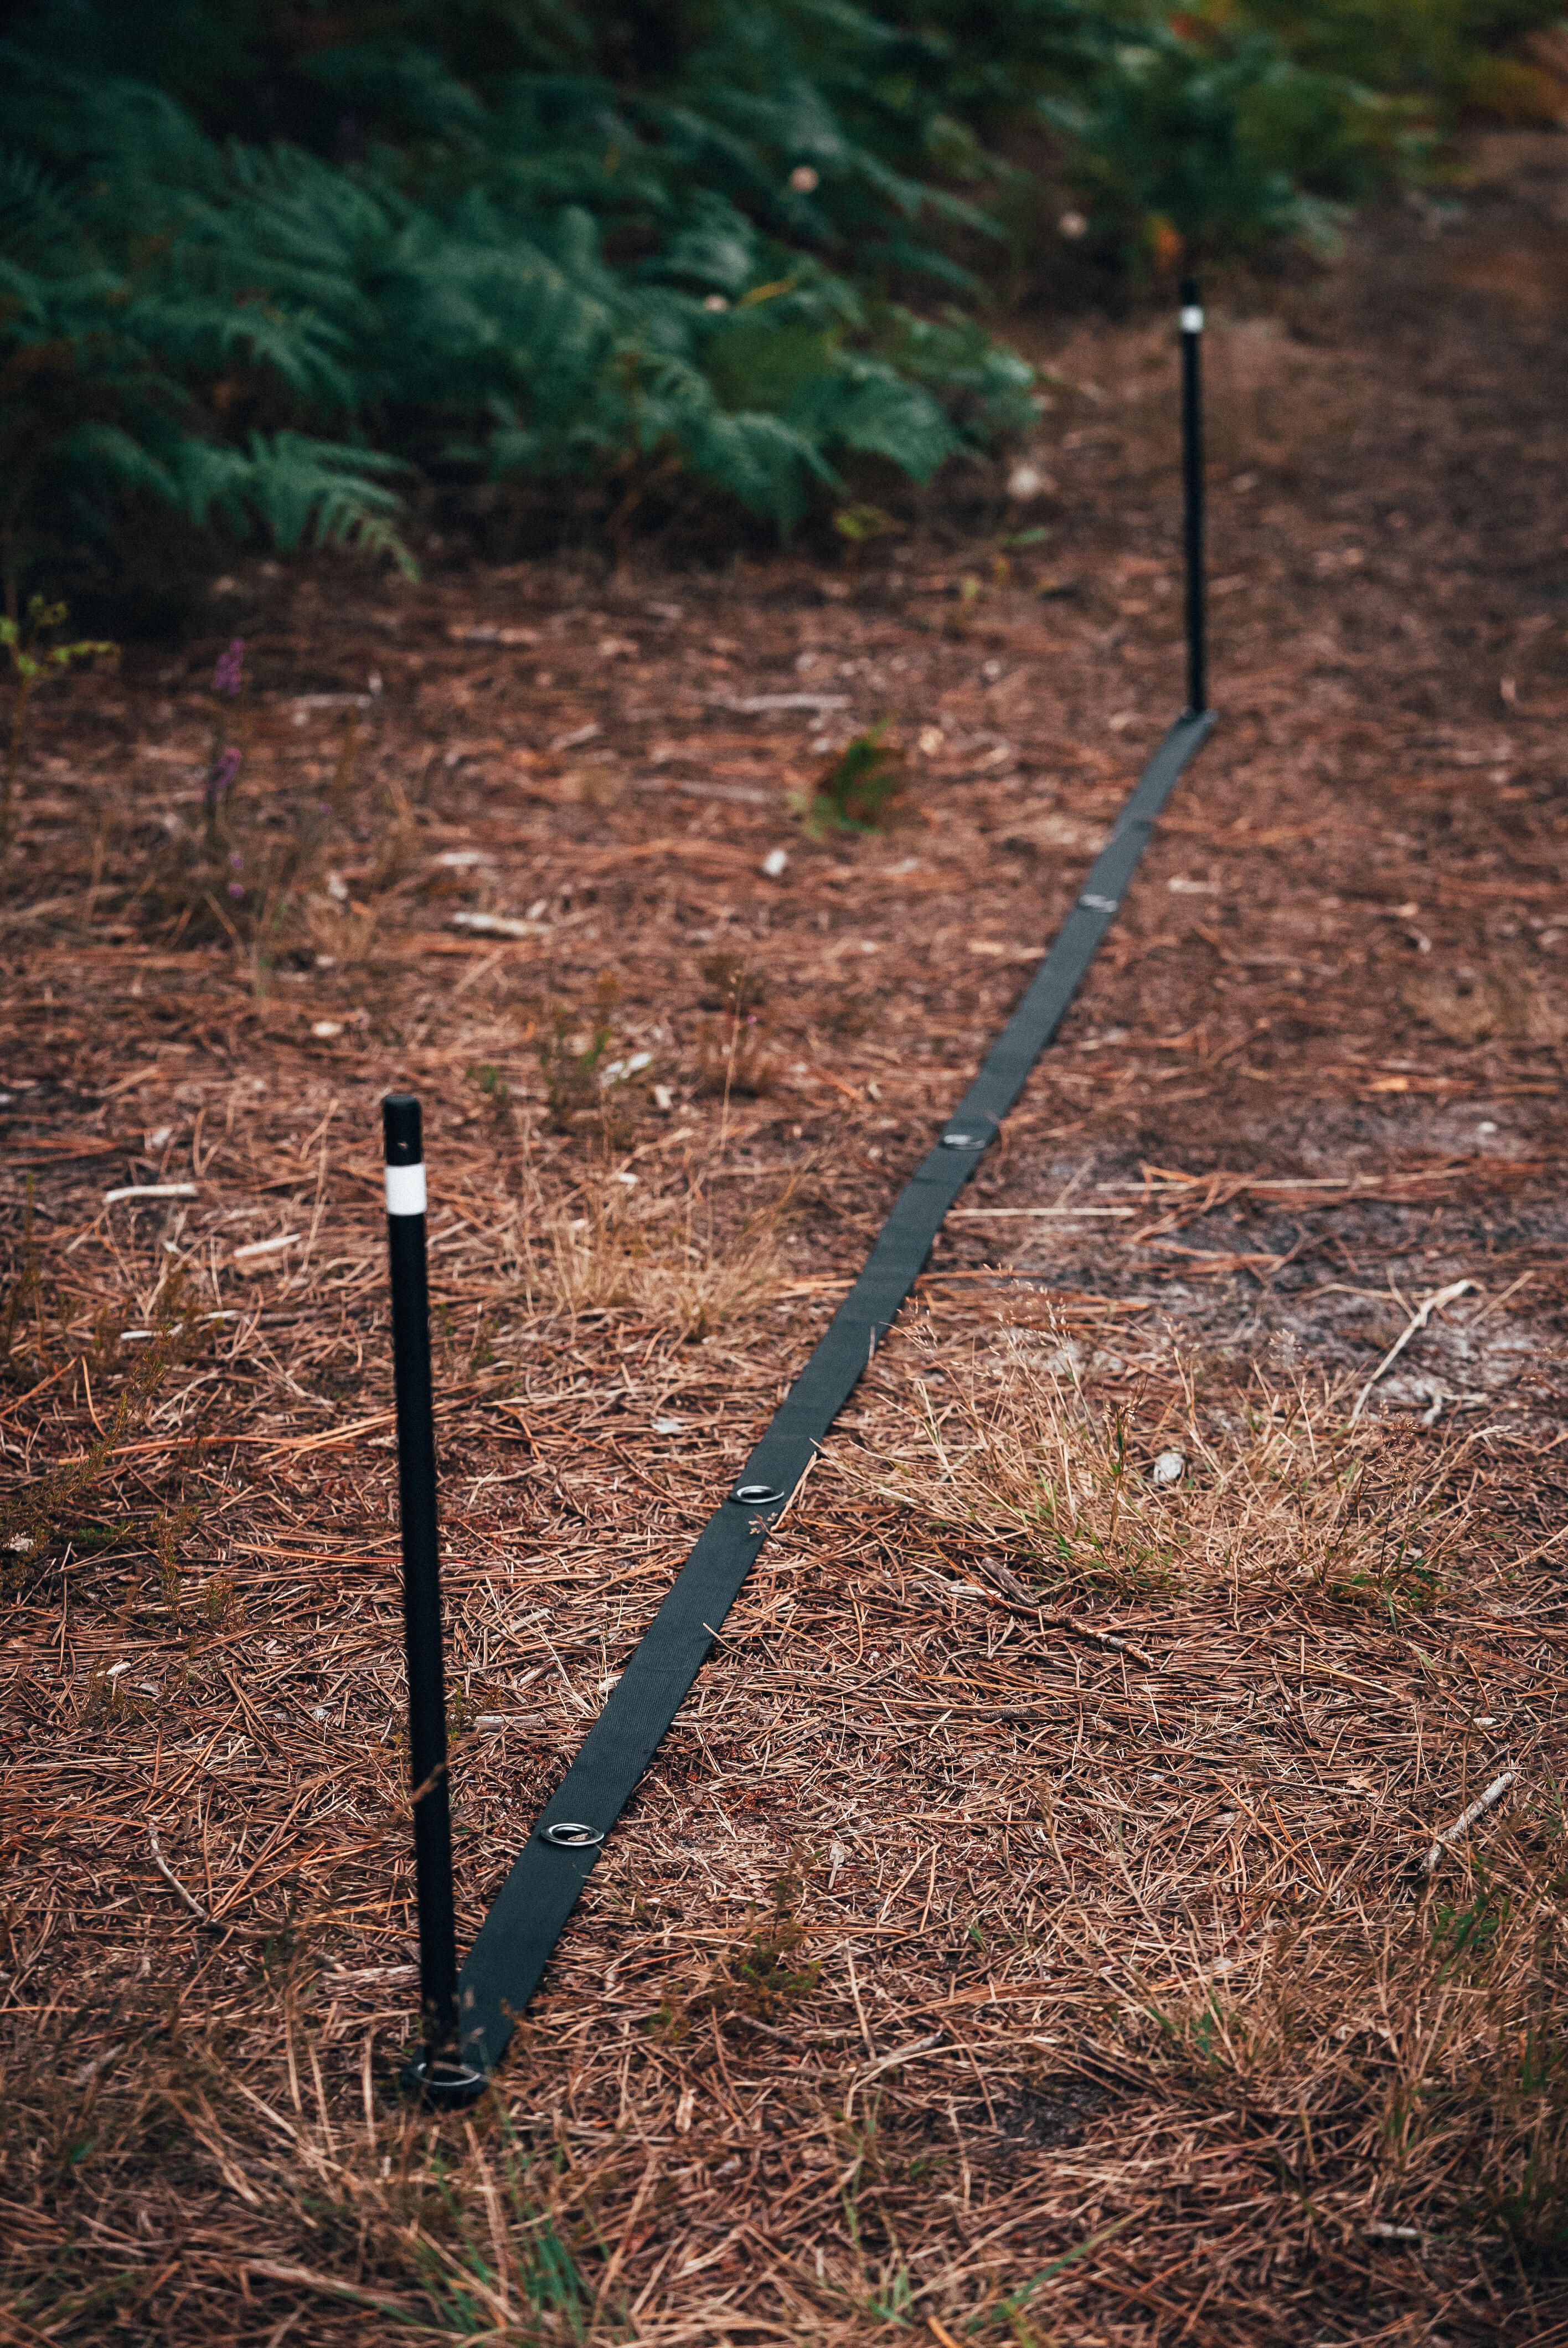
x=516 y=1937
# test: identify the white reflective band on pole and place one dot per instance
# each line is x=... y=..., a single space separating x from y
x=405 y=1189
x=1192 y=320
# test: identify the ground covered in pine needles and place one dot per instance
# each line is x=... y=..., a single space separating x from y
x=1062 y=1911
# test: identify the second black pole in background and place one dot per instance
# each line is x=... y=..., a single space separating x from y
x=1193 y=494
x=421 y=1588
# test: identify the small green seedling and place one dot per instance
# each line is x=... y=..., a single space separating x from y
x=857 y=789
x=858 y=525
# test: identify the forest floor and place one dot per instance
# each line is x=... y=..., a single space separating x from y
x=955 y=1974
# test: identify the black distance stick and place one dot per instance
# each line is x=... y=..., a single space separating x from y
x=1193 y=494
x=437 y=2075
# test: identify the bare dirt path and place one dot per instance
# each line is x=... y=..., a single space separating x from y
x=945 y=1943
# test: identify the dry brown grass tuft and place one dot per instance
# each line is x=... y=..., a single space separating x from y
x=1116 y=1497
x=733 y=1057
x=616 y=1247
x=1405 y=2056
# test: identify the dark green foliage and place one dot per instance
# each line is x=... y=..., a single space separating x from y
x=532 y=272
x=1218 y=142
x=1205 y=132
x=153 y=288
x=261 y=268
x=1428 y=49
x=859 y=788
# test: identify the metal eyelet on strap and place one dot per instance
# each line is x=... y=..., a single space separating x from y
x=443 y=2079
x=570 y=1834
x=756 y=1496
x=964 y=1140
x=1098 y=904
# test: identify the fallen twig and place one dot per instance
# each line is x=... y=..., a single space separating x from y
x=1417 y=1321
x=172 y=1879
x=305 y=2278
x=1008 y=1582
x=1467 y=1819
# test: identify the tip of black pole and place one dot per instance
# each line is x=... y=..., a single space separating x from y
x=1192 y=294
x=400 y=1125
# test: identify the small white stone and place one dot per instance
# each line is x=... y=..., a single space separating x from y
x=774 y=863
x=1167 y=1469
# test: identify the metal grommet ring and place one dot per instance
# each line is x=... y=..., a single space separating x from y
x=570 y=1834
x=963 y=1141
x=756 y=1496
x=445 y=2080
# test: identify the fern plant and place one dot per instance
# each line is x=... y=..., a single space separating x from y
x=549 y=279
x=124 y=339
x=266 y=273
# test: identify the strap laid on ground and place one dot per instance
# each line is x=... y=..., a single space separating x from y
x=516 y=1937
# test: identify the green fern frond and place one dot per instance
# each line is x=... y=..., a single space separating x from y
x=299 y=487
x=38 y=217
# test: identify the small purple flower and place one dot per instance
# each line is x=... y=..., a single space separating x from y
x=236 y=861
x=236 y=889
x=231 y=668
x=220 y=774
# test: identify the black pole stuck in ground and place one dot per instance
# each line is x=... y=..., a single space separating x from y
x=1193 y=494
x=438 y=2074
